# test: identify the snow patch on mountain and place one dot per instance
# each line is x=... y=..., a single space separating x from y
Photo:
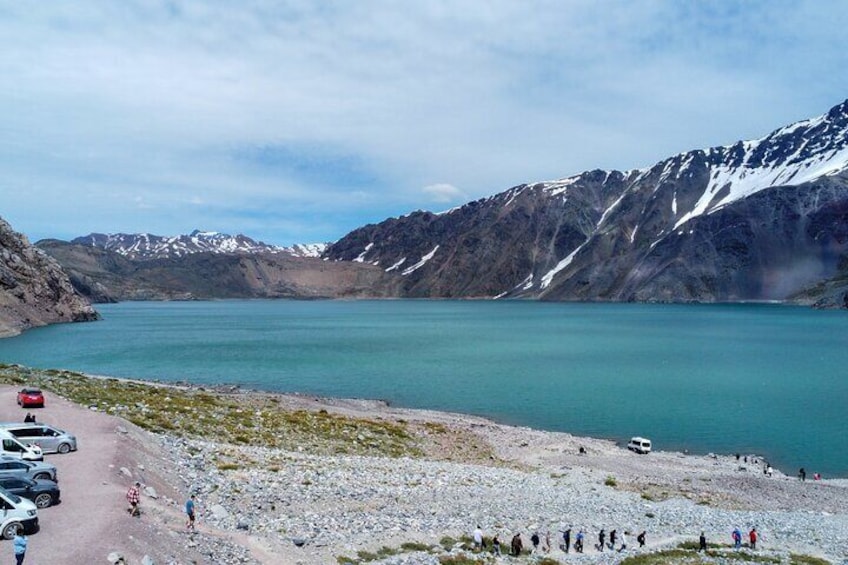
x=421 y=263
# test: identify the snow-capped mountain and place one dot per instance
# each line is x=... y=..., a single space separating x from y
x=757 y=219
x=148 y=246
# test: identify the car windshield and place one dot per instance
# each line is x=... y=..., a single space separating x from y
x=13 y=497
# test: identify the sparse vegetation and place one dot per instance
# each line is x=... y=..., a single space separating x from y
x=223 y=417
x=610 y=481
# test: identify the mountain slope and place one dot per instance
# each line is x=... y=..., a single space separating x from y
x=756 y=220
x=107 y=276
x=34 y=291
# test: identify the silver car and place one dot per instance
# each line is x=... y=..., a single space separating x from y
x=14 y=467
x=50 y=439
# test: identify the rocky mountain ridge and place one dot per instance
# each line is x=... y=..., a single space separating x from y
x=104 y=275
x=756 y=220
x=34 y=291
x=143 y=246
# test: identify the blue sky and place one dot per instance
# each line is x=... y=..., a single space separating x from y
x=299 y=121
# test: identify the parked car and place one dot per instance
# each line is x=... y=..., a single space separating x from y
x=31 y=398
x=48 y=438
x=43 y=492
x=639 y=445
x=13 y=467
x=17 y=513
x=11 y=446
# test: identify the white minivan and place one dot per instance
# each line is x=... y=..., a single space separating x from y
x=16 y=513
x=639 y=445
x=9 y=445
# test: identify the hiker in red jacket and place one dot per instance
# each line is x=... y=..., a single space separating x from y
x=752 y=536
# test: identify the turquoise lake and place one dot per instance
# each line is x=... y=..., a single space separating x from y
x=753 y=378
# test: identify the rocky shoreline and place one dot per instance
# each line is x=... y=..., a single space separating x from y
x=336 y=487
x=325 y=508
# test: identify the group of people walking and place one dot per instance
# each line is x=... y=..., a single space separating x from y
x=617 y=542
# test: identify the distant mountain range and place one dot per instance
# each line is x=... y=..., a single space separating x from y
x=147 y=246
x=755 y=220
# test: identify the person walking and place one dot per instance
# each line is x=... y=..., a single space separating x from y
x=702 y=543
x=641 y=539
x=20 y=543
x=737 y=538
x=623 y=542
x=134 y=497
x=613 y=535
x=496 y=545
x=602 y=538
x=752 y=537
x=578 y=542
x=534 y=539
x=189 y=508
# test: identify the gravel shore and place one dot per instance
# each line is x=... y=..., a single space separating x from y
x=260 y=505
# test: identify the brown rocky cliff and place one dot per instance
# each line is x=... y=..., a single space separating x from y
x=34 y=290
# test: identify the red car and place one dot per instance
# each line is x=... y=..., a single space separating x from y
x=31 y=398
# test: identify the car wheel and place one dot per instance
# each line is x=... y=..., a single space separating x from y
x=11 y=529
x=42 y=476
x=63 y=448
x=43 y=500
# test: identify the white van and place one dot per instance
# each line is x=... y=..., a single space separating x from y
x=9 y=445
x=16 y=513
x=639 y=445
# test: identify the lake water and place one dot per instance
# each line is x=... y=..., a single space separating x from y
x=763 y=379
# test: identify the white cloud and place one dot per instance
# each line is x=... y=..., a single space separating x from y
x=103 y=101
x=444 y=192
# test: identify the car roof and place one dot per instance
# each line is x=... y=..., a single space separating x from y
x=31 y=389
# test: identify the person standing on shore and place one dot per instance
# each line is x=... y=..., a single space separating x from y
x=478 y=538
x=534 y=539
x=752 y=537
x=702 y=543
x=189 y=508
x=602 y=538
x=134 y=497
x=802 y=474
x=578 y=543
x=20 y=544
x=566 y=540
x=496 y=545
x=737 y=538
x=517 y=545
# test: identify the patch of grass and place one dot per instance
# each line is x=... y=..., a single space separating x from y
x=220 y=416
x=447 y=542
x=343 y=560
x=548 y=561
x=647 y=496
x=363 y=555
x=795 y=559
x=457 y=560
x=610 y=481
x=227 y=466
x=414 y=546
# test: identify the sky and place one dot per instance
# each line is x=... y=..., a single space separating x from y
x=299 y=121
